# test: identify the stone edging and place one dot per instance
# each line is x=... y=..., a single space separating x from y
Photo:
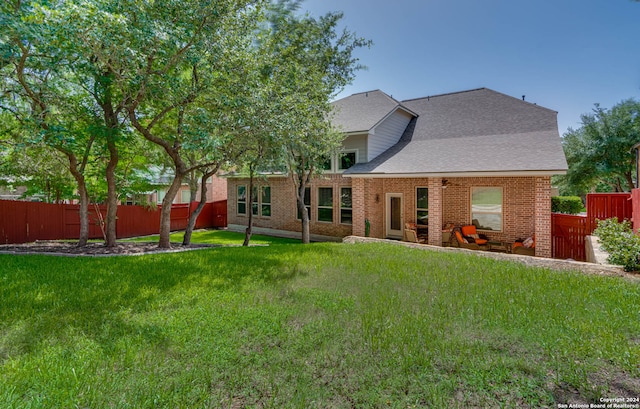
x=554 y=264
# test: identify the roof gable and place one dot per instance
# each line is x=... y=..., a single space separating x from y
x=362 y=112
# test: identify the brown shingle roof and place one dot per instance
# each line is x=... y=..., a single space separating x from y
x=473 y=131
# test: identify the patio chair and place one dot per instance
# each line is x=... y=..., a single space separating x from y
x=525 y=247
x=459 y=239
x=412 y=236
x=416 y=229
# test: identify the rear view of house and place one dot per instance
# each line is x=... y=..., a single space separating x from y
x=474 y=157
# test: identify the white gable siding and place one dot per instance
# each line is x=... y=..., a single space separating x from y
x=359 y=143
x=387 y=133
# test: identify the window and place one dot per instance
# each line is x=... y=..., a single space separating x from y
x=325 y=204
x=486 y=208
x=346 y=212
x=307 y=203
x=326 y=165
x=185 y=196
x=161 y=195
x=242 y=199
x=422 y=205
x=254 y=204
x=347 y=159
x=265 y=202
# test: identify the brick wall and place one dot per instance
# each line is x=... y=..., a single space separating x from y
x=284 y=210
x=526 y=205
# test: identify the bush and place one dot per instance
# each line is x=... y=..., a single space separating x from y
x=566 y=204
x=618 y=240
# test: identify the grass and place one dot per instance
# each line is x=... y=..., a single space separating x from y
x=323 y=325
x=223 y=237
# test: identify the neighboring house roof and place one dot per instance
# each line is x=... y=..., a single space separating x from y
x=479 y=132
x=364 y=111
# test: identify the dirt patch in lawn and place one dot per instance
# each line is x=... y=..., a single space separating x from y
x=94 y=249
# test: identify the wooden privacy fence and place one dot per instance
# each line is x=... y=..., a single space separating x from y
x=23 y=222
x=601 y=206
x=568 y=233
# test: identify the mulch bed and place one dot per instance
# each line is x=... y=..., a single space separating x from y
x=94 y=249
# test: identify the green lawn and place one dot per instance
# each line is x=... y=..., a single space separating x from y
x=223 y=237
x=324 y=325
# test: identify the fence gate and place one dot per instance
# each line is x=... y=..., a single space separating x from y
x=568 y=236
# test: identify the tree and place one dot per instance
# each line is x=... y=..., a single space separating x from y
x=182 y=55
x=599 y=152
x=310 y=63
x=53 y=48
x=37 y=91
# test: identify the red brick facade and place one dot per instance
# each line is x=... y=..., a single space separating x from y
x=526 y=206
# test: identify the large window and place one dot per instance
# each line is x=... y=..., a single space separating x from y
x=242 y=199
x=254 y=203
x=265 y=202
x=486 y=208
x=185 y=196
x=325 y=204
x=347 y=159
x=307 y=203
x=422 y=205
x=346 y=211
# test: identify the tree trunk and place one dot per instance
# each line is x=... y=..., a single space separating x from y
x=194 y=216
x=629 y=180
x=247 y=232
x=111 y=125
x=112 y=194
x=83 y=236
x=165 y=214
x=303 y=210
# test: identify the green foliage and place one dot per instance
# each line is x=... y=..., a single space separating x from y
x=567 y=204
x=599 y=153
x=620 y=242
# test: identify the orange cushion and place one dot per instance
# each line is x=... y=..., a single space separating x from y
x=469 y=230
x=460 y=238
x=481 y=241
x=517 y=244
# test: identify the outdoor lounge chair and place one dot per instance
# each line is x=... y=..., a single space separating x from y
x=471 y=240
x=412 y=236
x=525 y=247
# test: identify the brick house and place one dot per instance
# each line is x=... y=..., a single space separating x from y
x=473 y=156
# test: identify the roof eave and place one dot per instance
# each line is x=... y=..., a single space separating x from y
x=509 y=173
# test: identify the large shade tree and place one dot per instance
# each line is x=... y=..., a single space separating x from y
x=599 y=153
x=310 y=62
x=52 y=51
x=170 y=57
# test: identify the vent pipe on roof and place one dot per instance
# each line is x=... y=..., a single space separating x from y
x=523 y=97
x=366 y=95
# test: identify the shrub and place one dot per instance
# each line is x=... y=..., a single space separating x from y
x=618 y=240
x=566 y=204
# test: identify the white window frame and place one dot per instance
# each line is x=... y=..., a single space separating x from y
x=238 y=200
x=346 y=208
x=338 y=160
x=262 y=203
x=182 y=196
x=318 y=207
x=421 y=208
x=501 y=212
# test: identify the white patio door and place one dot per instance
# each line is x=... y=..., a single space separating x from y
x=394 y=219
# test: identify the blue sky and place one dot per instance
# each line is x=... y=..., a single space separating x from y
x=565 y=55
